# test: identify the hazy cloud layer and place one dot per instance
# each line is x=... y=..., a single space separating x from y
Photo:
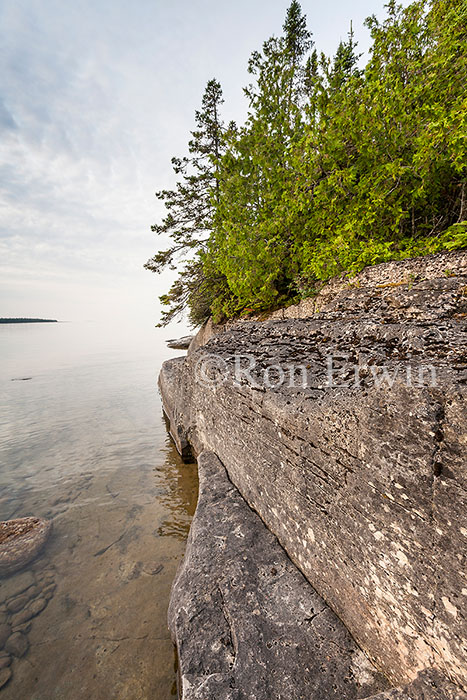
x=95 y=98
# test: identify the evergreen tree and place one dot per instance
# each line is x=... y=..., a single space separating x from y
x=384 y=168
x=252 y=244
x=296 y=35
x=190 y=210
x=335 y=167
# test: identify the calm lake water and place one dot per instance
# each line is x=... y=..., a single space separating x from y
x=83 y=442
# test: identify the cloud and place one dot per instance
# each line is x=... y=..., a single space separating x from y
x=97 y=95
x=7 y=122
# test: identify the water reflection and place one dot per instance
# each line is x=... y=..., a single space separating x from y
x=178 y=494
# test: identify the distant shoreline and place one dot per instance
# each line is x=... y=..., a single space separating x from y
x=28 y=320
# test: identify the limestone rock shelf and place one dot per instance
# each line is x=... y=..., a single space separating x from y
x=428 y=685
x=246 y=622
x=364 y=483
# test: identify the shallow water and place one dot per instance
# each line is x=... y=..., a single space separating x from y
x=83 y=442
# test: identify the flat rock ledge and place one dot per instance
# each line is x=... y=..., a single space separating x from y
x=362 y=481
x=249 y=626
x=180 y=343
x=246 y=623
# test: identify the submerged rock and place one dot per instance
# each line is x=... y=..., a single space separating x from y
x=20 y=541
x=15 y=585
x=5 y=675
x=5 y=632
x=17 y=644
x=5 y=661
x=17 y=604
x=36 y=607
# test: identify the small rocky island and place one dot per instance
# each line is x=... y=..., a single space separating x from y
x=28 y=320
x=326 y=558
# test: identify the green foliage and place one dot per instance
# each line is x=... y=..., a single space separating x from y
x=252 y=244
x=189 y=219
x=337 y=167
x=388 y=177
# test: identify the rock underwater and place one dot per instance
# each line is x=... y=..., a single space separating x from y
x=21 y=540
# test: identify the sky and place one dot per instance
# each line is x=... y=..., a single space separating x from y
x=96 y=96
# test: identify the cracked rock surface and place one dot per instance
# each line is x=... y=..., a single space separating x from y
x=428 y=685
x=247 y=624
x=364 y=482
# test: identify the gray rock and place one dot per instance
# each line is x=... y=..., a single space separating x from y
x=33 y=609
x=14 y=585
x=365 y=486
x=21 y=540
x=46 y=578
x=49 y=590
x=246 y=622
x=17 y=644
x=5 y=661
x=429 y=685
x=24 y=628
x=20 y=618
x=37 y=606
x=152 y=568
x=5 y=675
x=32 y=592
x=205 y=333
x=180 y=343
x=17 y=604
x=5 y=631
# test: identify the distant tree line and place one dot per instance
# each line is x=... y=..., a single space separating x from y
x=336 y=166
x=28 y=320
